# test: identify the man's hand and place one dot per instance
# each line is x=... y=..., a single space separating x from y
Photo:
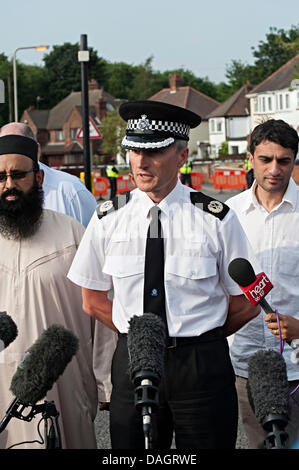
x=289 y=326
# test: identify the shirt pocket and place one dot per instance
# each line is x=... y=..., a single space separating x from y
x=289 y=259
x=190 y=268
x=123 y=266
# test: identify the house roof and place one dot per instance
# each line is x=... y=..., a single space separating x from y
x=60 y=113
x=53 y=149
x=39 y=117
x=279 y=79
x=188 y=98
x=235 y=105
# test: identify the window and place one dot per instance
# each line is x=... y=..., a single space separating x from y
x=255 y=105
x=269 y=103
x=212 y=125
x=263 y=104
x=280 y=102
x=59 y=135
x=73 y=159
x=219 y=126
x=73 y=132
x=287 y=101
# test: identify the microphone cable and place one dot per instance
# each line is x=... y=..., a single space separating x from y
x=41 y=442
x=281 y=345
x=53 y=436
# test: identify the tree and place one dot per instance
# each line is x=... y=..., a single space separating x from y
x=119 y=79
x=113 y=130
x=188 y=79
x=31 y=90
x=279 y=47
x=63 y=72
x=238 y=73
x=143 y=83
x=223 y=150
x=6 y=108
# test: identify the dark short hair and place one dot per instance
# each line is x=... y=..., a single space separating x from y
x=274 y=130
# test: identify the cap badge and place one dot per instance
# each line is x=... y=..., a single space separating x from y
x=106 y=206
x=143 y=123
x=215 y=207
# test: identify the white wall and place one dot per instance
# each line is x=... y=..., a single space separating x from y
x=284 y=105
x=238 y=126
x=217 y=134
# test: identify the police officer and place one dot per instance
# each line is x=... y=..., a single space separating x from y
x=197 y=396
x=112 y=174
x=185 y=171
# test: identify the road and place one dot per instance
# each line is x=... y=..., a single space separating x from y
x=102 y=419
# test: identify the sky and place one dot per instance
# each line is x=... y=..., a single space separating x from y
x=201 y=36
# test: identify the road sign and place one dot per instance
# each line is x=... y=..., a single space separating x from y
x=94 y=132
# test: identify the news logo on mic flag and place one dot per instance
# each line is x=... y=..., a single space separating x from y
x=255 y=287
x=258 y=289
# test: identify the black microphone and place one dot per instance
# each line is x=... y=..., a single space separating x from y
x=254 y=287
x=8 y=330
x=268 y=394
x=146 y=347
x=39 y=369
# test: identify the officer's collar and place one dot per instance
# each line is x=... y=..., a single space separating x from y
x=175 y=196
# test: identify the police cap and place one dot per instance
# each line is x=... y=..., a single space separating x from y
x=154 y=125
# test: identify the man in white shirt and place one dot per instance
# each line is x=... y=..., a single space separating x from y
x=200 y=236
x=63 y=192
x=269 y=214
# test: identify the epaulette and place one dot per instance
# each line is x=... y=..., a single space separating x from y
x=208 y=204
x=112 y=205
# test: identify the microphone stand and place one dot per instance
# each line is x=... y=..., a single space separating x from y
x=48 y=410
x=146 y=401
x=277 y=436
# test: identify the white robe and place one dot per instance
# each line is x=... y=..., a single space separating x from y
x=36 y=293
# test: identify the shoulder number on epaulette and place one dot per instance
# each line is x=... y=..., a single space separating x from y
x=210 y=205
x=112 y=205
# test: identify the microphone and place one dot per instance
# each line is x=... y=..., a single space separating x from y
x=146 y=345
x=39 y=369
x=254 y=287
x=8 y=330
x=268 y=394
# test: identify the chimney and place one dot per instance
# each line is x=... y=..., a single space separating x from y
x=175 y=82
x=93 y=84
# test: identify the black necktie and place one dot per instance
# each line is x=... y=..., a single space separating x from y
x=154 y=292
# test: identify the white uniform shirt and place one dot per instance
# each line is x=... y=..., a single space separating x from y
x=67 y=194
x=198 y=249
x=274 y=237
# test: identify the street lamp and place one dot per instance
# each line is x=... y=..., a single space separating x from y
x=37 y=48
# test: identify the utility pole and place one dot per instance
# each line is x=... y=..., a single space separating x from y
x=83 y=58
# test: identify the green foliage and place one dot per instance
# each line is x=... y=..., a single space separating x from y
x=63 y=72
x=279 y=47
x=223 y=148
x=119 y=79
x=44 y=86
x=6 y=76
x=113 y=131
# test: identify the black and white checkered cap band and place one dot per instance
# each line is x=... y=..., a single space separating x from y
x=162 y=126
